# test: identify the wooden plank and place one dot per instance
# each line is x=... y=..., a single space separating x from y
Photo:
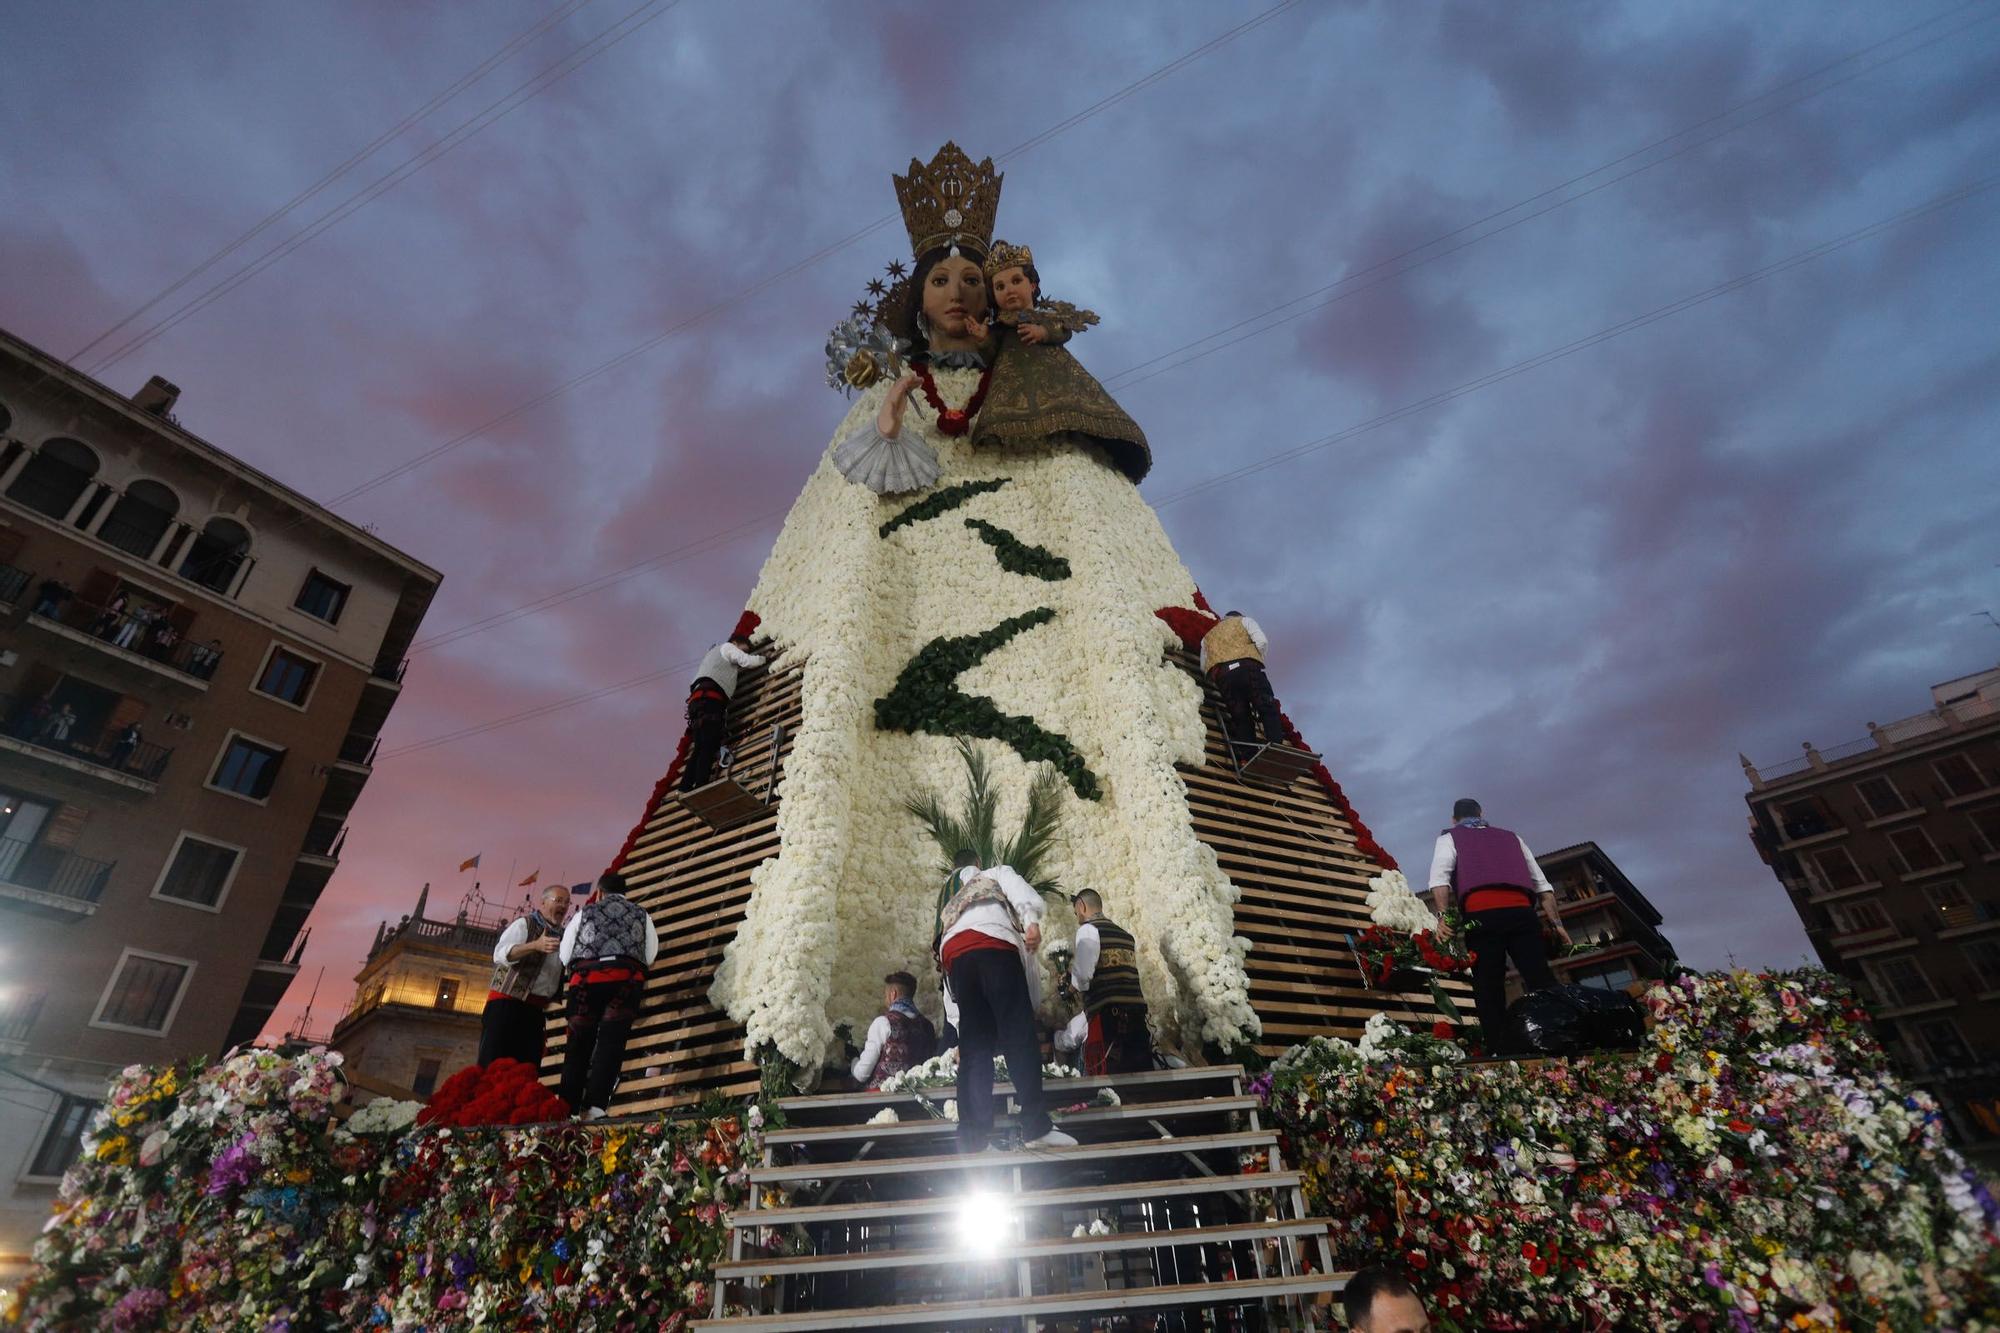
x=1125 y=1085
x=1068 y=1196
x=947 y=1162
x=932 y=1128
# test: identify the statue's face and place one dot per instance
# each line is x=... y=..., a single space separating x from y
x=1012 y=290
x=954 y=290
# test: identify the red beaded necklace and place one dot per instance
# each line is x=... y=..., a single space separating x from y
x=953 y=421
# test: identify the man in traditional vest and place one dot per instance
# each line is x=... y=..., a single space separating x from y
x=900 y=1038
x=1490 y=875
x=607 y=947
x=1105 y=972
x=527 y=977
x=988 y=931
x=1232 y=655
x=708 y=706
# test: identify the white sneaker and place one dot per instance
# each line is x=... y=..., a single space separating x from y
x=593 y=1113
x=1055 y=1138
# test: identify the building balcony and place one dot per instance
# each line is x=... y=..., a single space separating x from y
x=18 y=1013
x=1809 y=833
x=1941 y=868
x=121 y=764
x=1958 y=802
x=13 y=584
x=1869 y=943
x=1967 y=919
x=130 y=641
x=50 y=882
x=1824 y=895
x=348 y=774
x=378 y=695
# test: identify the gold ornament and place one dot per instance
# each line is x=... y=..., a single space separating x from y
x=949 y=202
x=1006 y=256
x=862 y=371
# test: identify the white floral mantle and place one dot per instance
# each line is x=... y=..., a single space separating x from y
x=849 y=895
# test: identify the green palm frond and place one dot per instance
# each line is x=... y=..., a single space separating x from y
x=974 y=824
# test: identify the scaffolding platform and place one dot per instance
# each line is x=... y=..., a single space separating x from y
x=727 y=802
x=1283 y=764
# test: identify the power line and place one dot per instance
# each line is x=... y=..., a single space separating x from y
x=1128 y=377
x=678 y=554
x=367 y=150
x=539 y=83
x=1738 y=283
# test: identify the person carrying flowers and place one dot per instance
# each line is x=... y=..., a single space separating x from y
x=1491 y=876
x=1105 y=971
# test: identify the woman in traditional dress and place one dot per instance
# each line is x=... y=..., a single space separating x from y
x=930 y=590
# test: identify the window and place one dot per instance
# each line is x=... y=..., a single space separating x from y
x=145 y=990
x=1837 y=869
x=55 y=478
x=1986 y=827
x=288 y=676
x=199 y=871
x=247 y=768
x=323 y=598
x=1612 y=976
x=1881 y=797
x=63 y=1139
x=1853 y=918
x=1804 y=819
x=1915 y=850
x=447 y=996
x=1939 y=1039
x=1949 y=899
x=1984 y=955
x=214 y=557
x=1960 y=776
x=1899 y=982
x=140 y=519
x=426 y=1081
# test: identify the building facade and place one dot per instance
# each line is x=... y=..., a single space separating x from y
x=414 y=1018
x=1889 y=849
x=1615 y=928
x=195 y=663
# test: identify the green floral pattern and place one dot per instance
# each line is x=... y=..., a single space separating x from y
x=941 y=502
x=1019 y=557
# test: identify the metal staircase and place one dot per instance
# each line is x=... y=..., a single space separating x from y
x=1197 y=1225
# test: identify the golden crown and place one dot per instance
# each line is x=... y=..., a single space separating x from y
x=1006 y=256
x=949 y=202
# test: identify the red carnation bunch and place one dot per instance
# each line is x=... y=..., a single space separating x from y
x=505 y=1092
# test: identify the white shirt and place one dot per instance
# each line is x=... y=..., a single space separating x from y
x=1070 y=1038
x=878 y=1037
x=721 y=663
x=1083 y=966
x=1251 y=628
x=576 y=919
x=992 y=919
x=548 y=981
x=1444 y=859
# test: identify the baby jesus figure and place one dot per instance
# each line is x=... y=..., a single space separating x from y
x=1039 y=393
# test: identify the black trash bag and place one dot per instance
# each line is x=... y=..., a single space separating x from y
x=1545 y=1022
x=1568 y=1020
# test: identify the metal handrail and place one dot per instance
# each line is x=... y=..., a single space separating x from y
x=13 y=582
x=137 y=633
x=24 y=723
x=50 y=870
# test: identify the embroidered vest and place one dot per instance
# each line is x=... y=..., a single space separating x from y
x=1229 y=641
x=911 y=1042
x=613 y=927
x=538 y=973
x=1116 y=980
x=1488 y=858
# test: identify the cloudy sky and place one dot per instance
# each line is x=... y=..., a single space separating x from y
x=1337 y=247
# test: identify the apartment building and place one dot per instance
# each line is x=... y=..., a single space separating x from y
x=1888 y=847
x=414 y=1018
x=1615 y=928
x=195 y=664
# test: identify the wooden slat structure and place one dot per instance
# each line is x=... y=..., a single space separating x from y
x=1284 y=844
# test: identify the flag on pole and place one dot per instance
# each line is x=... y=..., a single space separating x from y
x=470 y=864
x=530 y=880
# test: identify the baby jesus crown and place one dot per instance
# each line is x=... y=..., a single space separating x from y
x=949 y=202
x=1007 y=255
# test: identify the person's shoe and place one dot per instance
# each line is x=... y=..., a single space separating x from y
x=1055 y=1138
x=593 y=1113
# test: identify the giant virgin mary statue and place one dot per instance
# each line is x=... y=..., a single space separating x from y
x=937 y=582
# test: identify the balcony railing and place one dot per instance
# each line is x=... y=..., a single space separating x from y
x=49 y=870
x=13 y=583
x=325 y=844
x=392 y=674
x=360 y=750
x=18 y=1014
x=137 y=632
x=33 y=722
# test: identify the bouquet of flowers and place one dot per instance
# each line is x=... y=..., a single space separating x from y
x=506 y=1092
x=1402 y=950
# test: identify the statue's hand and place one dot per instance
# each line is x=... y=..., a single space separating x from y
x=889 y=419
x=1032 y=334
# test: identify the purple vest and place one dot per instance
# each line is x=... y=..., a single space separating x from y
x=1488 y=858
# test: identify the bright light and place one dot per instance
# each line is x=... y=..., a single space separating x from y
x=985 y=1221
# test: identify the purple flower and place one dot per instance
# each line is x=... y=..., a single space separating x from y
x=462 y=1267
x=234 y=1168
x=139 y=1308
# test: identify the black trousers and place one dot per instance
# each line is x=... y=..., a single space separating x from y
x=601 y=1015
x=512 y=1030
x=994 y=1016
x=706 y=719
x=1246 y=694
x=1502 y=933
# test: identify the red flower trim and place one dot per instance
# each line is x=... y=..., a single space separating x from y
x=950 y=420
x=1189 y=625
x=746 y=625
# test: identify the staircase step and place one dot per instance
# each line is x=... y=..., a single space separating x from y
x=930 y=1126
x=1029 y=1249
x=1068 y=1303
x=1083 y=1152
x=1056 y=1090
x=1067 y=1196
